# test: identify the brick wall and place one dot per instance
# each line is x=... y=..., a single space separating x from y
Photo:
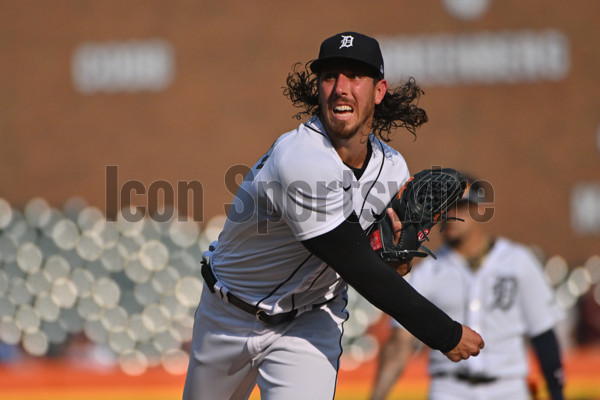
x=224 y=106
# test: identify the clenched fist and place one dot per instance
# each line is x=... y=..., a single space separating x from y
x=470 y=344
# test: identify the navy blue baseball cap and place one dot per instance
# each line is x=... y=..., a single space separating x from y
x=350 y=46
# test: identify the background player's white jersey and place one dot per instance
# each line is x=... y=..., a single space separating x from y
x=299 y=190
x=506 y=300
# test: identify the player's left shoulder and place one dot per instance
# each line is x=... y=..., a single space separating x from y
x=392 y=163
x=515 y=247
x=383 y=149
x=518 y=255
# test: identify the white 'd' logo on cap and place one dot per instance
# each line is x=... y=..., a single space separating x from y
x=346 y=41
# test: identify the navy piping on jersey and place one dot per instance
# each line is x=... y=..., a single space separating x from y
x=380 y=167
x=311 y=284
x=285 y=280
x=313 y=129
x=318 y=276
x=310 y=255
x=337 y=369
x=375 y=180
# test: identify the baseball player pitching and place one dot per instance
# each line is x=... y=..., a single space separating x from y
x=498 y=287
x=274 y=302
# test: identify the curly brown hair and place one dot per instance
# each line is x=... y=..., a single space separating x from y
x=398 y=108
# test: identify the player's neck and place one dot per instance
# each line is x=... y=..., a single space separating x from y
x=353 y=151
x=359 y=171
x=475 y=249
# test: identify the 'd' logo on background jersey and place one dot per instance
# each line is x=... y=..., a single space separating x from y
x=505 y=291
x=347 y=41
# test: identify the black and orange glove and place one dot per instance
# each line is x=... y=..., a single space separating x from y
x=420 y=204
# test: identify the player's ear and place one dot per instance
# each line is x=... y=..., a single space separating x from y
x=380 y=90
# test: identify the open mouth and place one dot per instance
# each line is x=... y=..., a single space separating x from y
x=343 y=110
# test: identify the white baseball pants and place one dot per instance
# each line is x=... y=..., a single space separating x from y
x=232 y=352
x=449 y=388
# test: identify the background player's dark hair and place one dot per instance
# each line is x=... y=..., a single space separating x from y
x=398 y=108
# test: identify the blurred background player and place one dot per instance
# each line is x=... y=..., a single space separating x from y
x=496 y=286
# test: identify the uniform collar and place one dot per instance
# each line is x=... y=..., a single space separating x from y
x=316 y=125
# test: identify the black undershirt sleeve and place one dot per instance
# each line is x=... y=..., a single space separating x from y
x=347 y=251
x=548 y=353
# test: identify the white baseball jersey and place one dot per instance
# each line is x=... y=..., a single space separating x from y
x=505 y=300
x=300 y=189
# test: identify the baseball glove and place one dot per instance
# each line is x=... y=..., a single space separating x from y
x=420 y=204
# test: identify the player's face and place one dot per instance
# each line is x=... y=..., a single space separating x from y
x=456 y=231
x=347 y=96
